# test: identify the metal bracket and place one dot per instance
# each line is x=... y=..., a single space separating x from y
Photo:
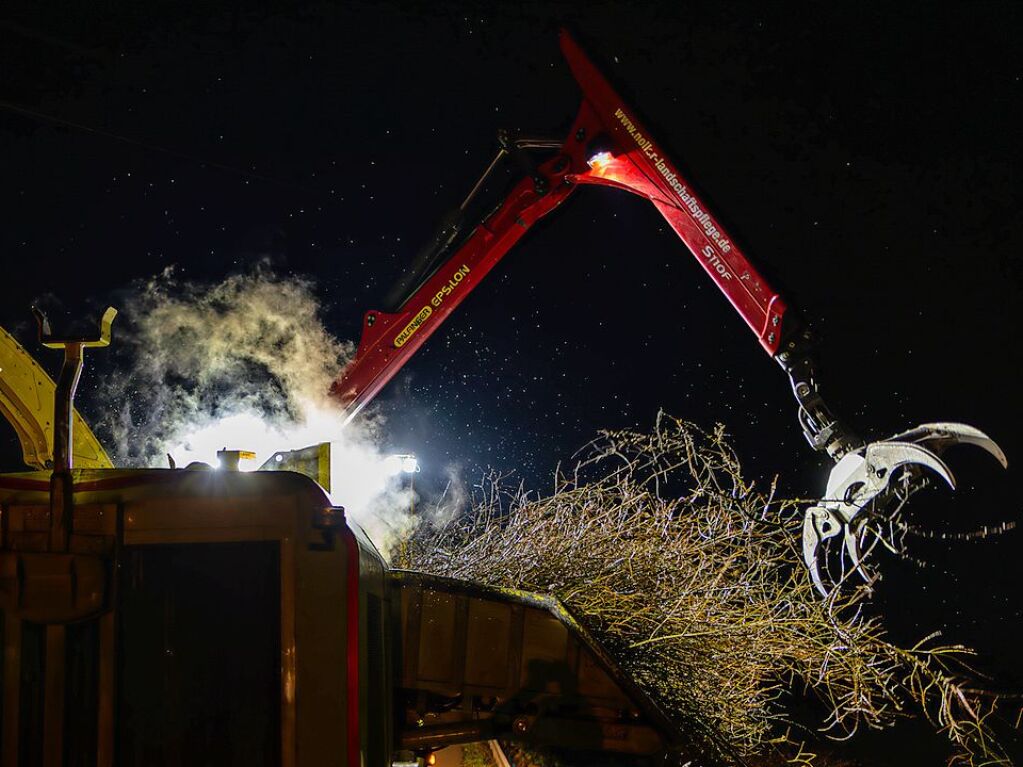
x=67 y=383
x=821 y=427
x=51 y=341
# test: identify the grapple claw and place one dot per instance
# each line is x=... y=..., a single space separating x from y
x=870 y=481
x=861 y=484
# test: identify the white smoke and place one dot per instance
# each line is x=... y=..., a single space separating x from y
x=245 y=364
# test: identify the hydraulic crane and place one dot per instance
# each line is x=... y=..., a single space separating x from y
x=608 y=145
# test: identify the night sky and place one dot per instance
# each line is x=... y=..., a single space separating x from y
x=867 y=160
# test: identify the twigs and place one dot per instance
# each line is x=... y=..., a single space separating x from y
x=692 y=578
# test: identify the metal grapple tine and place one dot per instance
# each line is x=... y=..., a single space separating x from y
x=811 y=542
x=942 y=435
x=852 y=548
x=814 y=533
x=883 y=457
x=815 y=576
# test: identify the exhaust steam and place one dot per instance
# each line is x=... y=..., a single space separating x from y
x=244 y=364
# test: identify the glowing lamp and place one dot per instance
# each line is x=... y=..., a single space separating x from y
x=403 y=463
x=600 y=160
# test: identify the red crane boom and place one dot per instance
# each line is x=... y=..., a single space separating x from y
x=607 y=145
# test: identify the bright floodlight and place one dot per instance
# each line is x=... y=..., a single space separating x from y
x=600 y=160
x=402 y=463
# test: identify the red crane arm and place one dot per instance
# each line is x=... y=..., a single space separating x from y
x=638 y=164
x=607 y=145
x=389 y=339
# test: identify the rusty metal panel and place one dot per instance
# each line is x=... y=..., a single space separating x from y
x=27 y=528
x=544 y=648
x=11 y=692
x=95 y=519
x=22 y=541
x=437 y=637
x=594 y=682
x=482 y=662
x=488 y=642
x=34 y=518
x=198 y=520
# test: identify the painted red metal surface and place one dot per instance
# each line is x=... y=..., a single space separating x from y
x=640 y=165
x=627 y=158
x=388 y=340
x=353 y=738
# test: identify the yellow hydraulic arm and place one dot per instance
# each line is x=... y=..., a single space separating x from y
x=26 y=401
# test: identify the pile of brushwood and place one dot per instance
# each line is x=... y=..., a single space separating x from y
x=692 y=578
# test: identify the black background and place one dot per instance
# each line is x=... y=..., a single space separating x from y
x=867 y=158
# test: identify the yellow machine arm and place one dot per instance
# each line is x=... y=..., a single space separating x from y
x=26 y=401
